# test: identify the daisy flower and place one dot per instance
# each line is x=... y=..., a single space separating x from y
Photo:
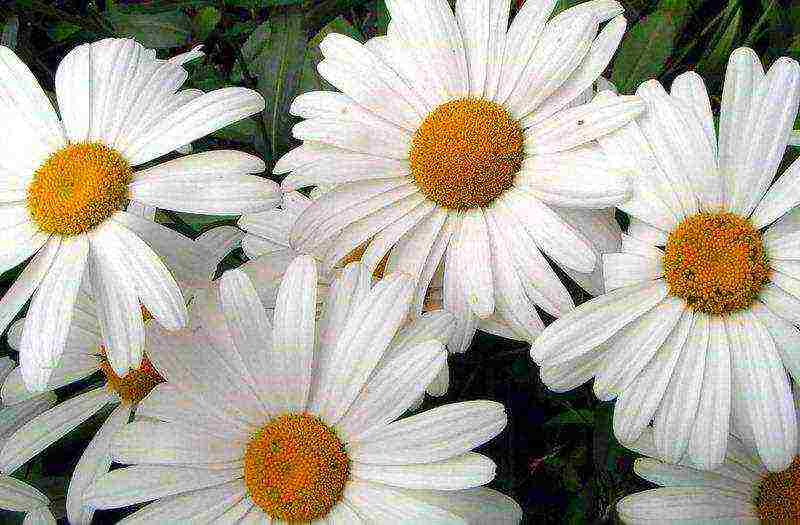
x=739 y=491
x=704 y=299
x=67 y=176
x=454 y=140
x=297 y=420
x=84 y=355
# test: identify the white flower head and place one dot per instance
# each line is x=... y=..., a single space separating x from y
x=68 y=176
x=296 y=419
x=458 y=142
x=701 y=316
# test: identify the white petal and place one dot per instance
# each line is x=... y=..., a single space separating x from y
x=763 y=388
x=690 y=504
x=455 y=302
x=637 y=404
x=364 y=338
x=212 y=183
x=219 y=242
x=434 y=435
x=594 y=322
x=470 y=246
x=27 y=110
x=709 y=438
x=480 y=506
x=380 y=139
x=131 y=485
x=785 y=335
x=483 y=26
x=690 y=88
x=117 y=304
x=589 y=71
x=393 y=389
x=94 y=462
x=18 y=496
x=770 y=123
x=676 y=415
x=201 y=116
x=156 y=443
x=194 y=508
x=293 y=338
x=50 y=314
x=428 y=29
x=580 y=125
x=742 y=77
x=19 y=241
x=668 y=475
x=559 y=51
x=27 y=282
x=155 y=285
x=363 y=76
x=626 y=269
x=551 y=233
x=377 y=503
x=781 y=197
x=46 y=429
x=462 y=472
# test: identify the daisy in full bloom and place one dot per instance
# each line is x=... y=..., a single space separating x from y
x=704 y=299
x=739 y=491
x=67 y=177
x=15 y=495
x=296 y=420
x=459 y=141
x=193 y=264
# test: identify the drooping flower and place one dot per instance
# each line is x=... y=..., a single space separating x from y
x=703 y=302
x=67 y=177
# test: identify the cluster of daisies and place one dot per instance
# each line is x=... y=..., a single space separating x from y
x=462 y=159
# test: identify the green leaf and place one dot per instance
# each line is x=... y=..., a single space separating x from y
x=714 y=62
x=157 y=30
x=382 y=13
x=205 y=21
x=311 y=80
x=62 y=31
x=278 y=63
x=8 y=37
x=582 y=416
x=644 y=51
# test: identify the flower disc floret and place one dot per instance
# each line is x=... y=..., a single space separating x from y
x=78 y=187
x=136 y=384
x=778 y=499
x=466 y=153
x=296 y=468
x=716 y=262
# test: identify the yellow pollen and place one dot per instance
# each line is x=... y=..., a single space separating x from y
x=778 y=499
x=716 y=262
x=136 y=384
x=356 y=256
x=78 y=187
x=466 y=153
x=295 y=468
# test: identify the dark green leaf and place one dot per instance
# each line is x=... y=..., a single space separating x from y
x=382 y=13
x=205 y=21
x=157 y=30
x=644 y=51
x=583 y=416
x=62 y=31
x=9 y=36
x=725 y=40
x=278 y=65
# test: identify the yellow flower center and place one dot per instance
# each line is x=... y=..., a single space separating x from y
x=466 y=153
x=78 y=188
x=136 y=384
x=295 y=468
x=716 y=262
x=778 y=499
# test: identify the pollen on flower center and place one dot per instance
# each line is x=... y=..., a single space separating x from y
x=296 y=468
x=778 y=499
x=466 y=153
x=136 y=384
x=78 y=187
x=716 y=262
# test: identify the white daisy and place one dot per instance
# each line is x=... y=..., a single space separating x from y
x=66 y=181
x=84 y=355
x=15 y=495
x=457 y=139
x=739 y=491
x=705 y=295
x=294 y=420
